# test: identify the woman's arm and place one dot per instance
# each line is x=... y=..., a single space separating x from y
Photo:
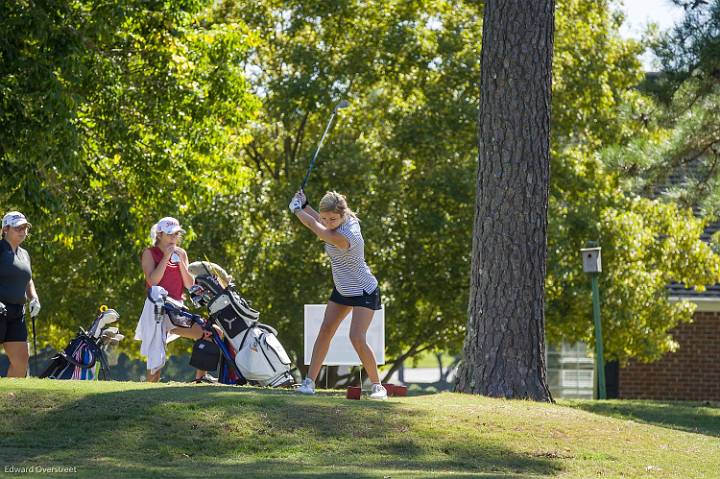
x=325 y=234
x=188 y=279
x=153 y=274
x=309 y=210
x=30 y=291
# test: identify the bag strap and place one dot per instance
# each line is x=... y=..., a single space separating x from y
x=72 y=361
x=267 y=328
x=247 y=331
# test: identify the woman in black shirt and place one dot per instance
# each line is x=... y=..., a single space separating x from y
x=16 y=287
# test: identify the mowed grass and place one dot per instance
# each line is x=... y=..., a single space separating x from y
x=135 y=430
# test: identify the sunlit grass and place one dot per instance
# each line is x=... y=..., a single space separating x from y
x=119 y=429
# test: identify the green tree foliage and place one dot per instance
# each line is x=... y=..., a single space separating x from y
x=404 y=153
x=599 y=117
x=400 y=152
x=690 y=50
x=114 y=115
x=683 y=155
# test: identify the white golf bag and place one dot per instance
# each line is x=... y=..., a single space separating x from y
x=258 y=354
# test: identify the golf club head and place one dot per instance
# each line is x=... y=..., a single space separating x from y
x=111 y=330
x=109 y=316
x=112 y=342
x=106 y=317
x=342 y=104
x=198 y=295
x=111 y=351
x=106 y=336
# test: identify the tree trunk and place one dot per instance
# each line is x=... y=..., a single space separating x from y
x=504 y=350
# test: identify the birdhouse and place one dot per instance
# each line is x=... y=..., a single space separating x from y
x=591 y=260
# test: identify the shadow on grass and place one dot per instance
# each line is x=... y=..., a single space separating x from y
x=690 y=417
x=179 y=431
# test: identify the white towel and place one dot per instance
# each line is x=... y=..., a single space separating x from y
x=154 y=336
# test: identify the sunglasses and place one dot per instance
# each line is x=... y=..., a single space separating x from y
x=21 y=228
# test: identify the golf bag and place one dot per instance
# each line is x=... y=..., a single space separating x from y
x=253 y=346
x=206 y=354
x=85 y=356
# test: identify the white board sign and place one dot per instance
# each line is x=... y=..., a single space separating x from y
x=341 y=352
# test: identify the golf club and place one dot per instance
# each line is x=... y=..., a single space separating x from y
x=32 y=318
x=107 y=335
x=112 y=342
x=111 y=331
x=342 y=104
x=105 y=338
x=106 y=317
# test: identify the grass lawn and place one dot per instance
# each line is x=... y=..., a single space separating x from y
x=123 y=429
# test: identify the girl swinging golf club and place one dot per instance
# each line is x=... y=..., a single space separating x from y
x=356 y=289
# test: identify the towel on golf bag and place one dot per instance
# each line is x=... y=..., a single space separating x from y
x=227 y=371
x=153 y=329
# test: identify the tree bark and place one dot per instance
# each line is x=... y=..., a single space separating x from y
x=504 y=350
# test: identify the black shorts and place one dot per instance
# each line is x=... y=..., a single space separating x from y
x=12 y=326
x=367 y=300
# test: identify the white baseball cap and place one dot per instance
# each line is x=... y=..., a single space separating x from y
x=14 y=219
x=169 y=225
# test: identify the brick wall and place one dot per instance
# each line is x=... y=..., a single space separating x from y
x=690 y=373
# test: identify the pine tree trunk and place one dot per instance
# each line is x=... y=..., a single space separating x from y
x=504 y=351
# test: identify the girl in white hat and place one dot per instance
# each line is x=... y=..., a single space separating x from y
x=165 y=264
x=16 y=288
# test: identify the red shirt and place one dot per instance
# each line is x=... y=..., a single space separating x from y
x=172 y=279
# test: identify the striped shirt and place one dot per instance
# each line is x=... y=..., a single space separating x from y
x=351 y=275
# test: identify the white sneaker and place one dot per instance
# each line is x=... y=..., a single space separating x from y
x=207 y=378
x=378 y=392
x=307 y=387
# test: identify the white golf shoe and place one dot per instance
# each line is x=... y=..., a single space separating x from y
x=307 y=387
x=378 y=392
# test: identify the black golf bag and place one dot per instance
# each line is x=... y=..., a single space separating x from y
x=85 y=356
x=253 y=346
